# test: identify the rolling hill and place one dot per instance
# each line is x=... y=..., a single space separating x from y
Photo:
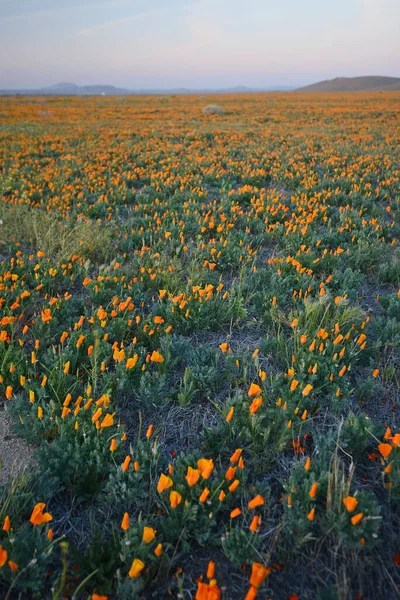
x=354 y=84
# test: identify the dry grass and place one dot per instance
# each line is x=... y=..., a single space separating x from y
x=58 y=239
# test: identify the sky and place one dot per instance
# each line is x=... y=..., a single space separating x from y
x=196 y=43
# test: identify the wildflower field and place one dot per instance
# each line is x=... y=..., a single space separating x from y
x=199 y=341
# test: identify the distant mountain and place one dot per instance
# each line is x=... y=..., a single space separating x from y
x=63 y=87
x=340 y=84
x=354 y=84
x=72 y=89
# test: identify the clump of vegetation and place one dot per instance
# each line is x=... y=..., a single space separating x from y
x=213 y=109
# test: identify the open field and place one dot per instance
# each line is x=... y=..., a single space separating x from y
x=199 y=347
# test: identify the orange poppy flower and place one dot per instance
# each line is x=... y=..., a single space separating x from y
x=192 y=476
x=156 y=357
x=311 y=515
x=210 y=570
x=148 y=534
x=254 y=390
x=7 y=524
x=251 y=594
x=233 y=487
x=175 y=498
x=136 y=568
x=204 y=495
x=230 y=473
x=13 y=565
x=125 y=522
x=131 y=362
x=255 y=523
x=350 y=503
x=313 y=490
x=126 y=463
x=357 y=518
x=164 y=483
x=257 y=501
x=258 y=574
x=385 y=449
x=396 y=439
x=108 y=421
x=38 y=517
x=206 y=467
x=230 y=414
x=3 y=556
x=255 y=405
x=236 y=455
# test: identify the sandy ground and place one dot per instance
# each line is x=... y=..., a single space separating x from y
x=15 y=455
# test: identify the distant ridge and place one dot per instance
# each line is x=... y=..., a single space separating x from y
x=354 y=84
x=72 y=89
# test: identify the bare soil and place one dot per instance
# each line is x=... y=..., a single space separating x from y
x=15 y=455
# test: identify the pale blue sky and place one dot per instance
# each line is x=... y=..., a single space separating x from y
x=196 y=43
